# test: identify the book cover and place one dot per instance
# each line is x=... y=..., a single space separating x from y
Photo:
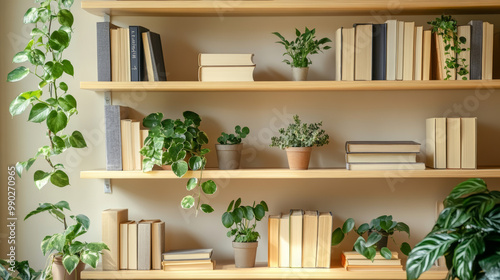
x=225 y=74
x=137 y=62
x=469 y=143
x=363 y=53
x=284 y=243
x=338 y=54
x=190 y=254
x=225 y=59
x=435 y=149
x=381 y=157
x=488 y=50
x=124 y=251
x=111 y=220
x=476 y=49
x=348 y=50
x=132 y=245
x=386 y=166
x=104 y=51
x=392 y=49
x=157 y=244
x=382 y=147
x=379 y=51
x=464 y=56
x=400 y=50
x=273 y=238
x=189 y=267
x=310 y=239
x=408 y=50
x=453 y=148
x=325 y=224
x=296 y=218
x=417 y=62
x=126 y=141
x=113 y=114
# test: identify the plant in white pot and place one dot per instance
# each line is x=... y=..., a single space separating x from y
x=298 y=139
x=242 y=220
x=299 y=50
x=230 y=147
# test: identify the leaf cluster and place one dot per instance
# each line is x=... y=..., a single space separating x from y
x=238 y=219
x=379 y=227
x=64 y=244
x=300 y=134
x=169 y=142
x=232 y=139
x=20 y=271
x=50 y=102
x=467 y=234
x=304 y=45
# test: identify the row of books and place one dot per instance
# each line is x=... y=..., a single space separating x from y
x=353 y=261
x=225 y=67
x=194 y=259
x=397 y=50
x=451 y=143
x=300 y=239
x=382 y=155
x=129 y=54
x=141 y=244
x=132 y=141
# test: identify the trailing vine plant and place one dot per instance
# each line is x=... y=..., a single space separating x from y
x=50 y=101
x=446 y=27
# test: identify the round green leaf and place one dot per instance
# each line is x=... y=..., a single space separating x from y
x=70 y=263
x=195 y=163
x=237 y=214
x=191 y=184
x=348 y=225
x=259 y=212
x=187 y=202
x=403 y=227
x=39 y=112
x=18 y=105
x=18 y=74
x=193 y=117
x=63 y=86
x=57 y=121
x=68 y=67
x=405 y=248
x=207 y=208
x=227 y=219
x=248 y=212
x=152 y=120
x=337 y=236
x=209 y=187
x=41 y=178
x=84 y=220
x=363 y=228
x=53 y=70
x=59 y=40
x=202 y=138
x=65 y=18
x=59 y=179
x=386 y=253
x=179 y=168
x=264 y=204
x=76 y=140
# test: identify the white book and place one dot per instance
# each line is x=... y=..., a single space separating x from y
x=392 y=47
x=400 y=50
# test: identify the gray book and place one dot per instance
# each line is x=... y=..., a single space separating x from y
x=144 y=231
x=476 y=49
x=104 y=51
x=112 y=115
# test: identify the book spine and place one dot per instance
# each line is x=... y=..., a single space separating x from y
x=379 y=52
x=135 y=75
x=103 y=52
x=112 y=116
x=476 y=50
x=111 y=220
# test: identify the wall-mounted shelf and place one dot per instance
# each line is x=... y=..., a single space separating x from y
x=288 y=8
x=288 y=86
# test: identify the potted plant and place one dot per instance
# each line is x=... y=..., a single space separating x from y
x=67 y=256
x=467 y=234
x=14 y=270
x=238 y=219
x=170 y=142
x=298 y=139
x=229 y=148
x=379 y=230
x=299 y=50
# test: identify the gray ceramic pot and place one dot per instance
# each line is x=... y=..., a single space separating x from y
x=229 y=156
x=300 y=73
x=245 y=253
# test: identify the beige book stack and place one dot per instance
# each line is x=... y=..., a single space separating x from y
x=225 y=67
x=353 y=261
x=194 y=259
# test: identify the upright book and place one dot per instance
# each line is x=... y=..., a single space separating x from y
x=104 y=51
x=338 y=54
x=469 y=143
x=144 y=241
x=453 y=148
x=132 y=246
x=426 y=55
x=488 y=34
x=157 y=244
x=476 y=49
x=310 y=239
x=400 y=50
x=113 y=114
x=435 y=149
x=348 y=51
x=273 y=237
x=391 y=49
x=408 y=50
x=110 y=224
x=379 y=51
x=126 y=143
x=296 y=218
x=284 y=242
x=417 y=61
x=363 y=53
x=124 y=251
x=137 y=62
x=136 y=145
x=325 y=224
x=153 y=53
x=464 y=31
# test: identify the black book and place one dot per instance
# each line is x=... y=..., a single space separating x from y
x=137 y=63
x=379 y=52
x=154 y=57
x=476 y=49
x=104 y=51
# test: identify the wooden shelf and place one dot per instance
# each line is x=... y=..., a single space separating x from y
x=260 y=272
x=288 y=86
x=288 y=8
x=296 y=174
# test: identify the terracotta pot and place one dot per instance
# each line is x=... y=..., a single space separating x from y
x=298 y=157
x=245 y=253
x=60 y=273
x=300 y=73
x=229 y=156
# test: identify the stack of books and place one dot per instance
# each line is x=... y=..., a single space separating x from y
x=383 y=155
x=196 y=259
x=300 y=239
x=353 y=261
x=398 y=50
x=225 y=67
x=451 y=143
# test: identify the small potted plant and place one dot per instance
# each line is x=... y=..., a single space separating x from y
x=238 y=219
x=229 y=148
x=298 y=139
x=379 y=230
x=67 y=255
x=299 y=50
x=466 y=233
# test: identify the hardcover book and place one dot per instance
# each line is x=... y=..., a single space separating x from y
x=153 y=53
x=113 y=114
x=137 y=61
x=379 y=52
x=111 y=220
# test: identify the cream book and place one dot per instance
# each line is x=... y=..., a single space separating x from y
x=400 y=50
x=144 y=135
x=284 y=243
x=115 y=54
x=309 y=239
x=374 y=263
x=463 y=58
x=338 y=54
x=392 y=49
x=111 y=220
x=435 y=149
x=157 y=244
x=226 y=74
x=408 y=51
x=353 y=255
x=374 y=268
x=225 y=59
x=348 y=50
x=189 y=254
x=380 y=157
x=363 y=53
x=296 y=218
x=325 y=224
x=469 y=143
x=189 y=267
x=386 y=166
x=144 y=242
x=488 y=30
x=132 y=246
x=136 y=145
x=417 y=62
x=426 y=55
x=273 y=238
x=124 y=251
x=126 y=139
x=453 y=148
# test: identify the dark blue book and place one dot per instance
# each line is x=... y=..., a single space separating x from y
x=476 y=49
x=379 y=51
x=137 y=63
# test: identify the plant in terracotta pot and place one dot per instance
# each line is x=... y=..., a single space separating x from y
x=379 y=230
x=67 y=256
x=14 y=270
x=229 y=148
x=179 y=143
x=299 y=50
x=242 y=220
x=298 y=139
x=466 y=233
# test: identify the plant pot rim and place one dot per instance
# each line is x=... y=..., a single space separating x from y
x=298 y=148
x=300 y=67
x=245 y=244
x=228 y=144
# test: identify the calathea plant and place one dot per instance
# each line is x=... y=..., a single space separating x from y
x=50 y=101
x=232 y=139
x=169 y=142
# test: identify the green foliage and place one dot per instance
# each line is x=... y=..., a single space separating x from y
x=169 y=142
x=50 y=103
x=300 y=134
x=231 y=139
x=238 y=219
x=19 y=271
x=64 y=244
x=303 y=46
x=382 y=226
x=447 y=28
x=467 y=233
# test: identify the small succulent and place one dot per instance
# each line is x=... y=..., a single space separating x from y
x=231 y=139
x=300 y=134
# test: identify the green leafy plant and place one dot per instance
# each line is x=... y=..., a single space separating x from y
x=300 y=134
x=65 y=244
x=17 y=271
x=238 y=219
x=50 y=101
x=304 y=45
x=447 y=28
x=467 y=234
x=169 y=142
x=379 y=228
x=231 y=139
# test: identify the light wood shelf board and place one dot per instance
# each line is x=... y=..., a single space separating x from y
x=337 y=173
x=284 y=86
x=288 y=8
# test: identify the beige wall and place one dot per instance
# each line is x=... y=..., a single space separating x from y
x=346 y=115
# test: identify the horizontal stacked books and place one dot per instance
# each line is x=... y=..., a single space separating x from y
x=353 y=261
x=300 y=239
x=196 y=259
x=382 y=155
x=451 y=143
x=398 y=50
x=225 y=67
